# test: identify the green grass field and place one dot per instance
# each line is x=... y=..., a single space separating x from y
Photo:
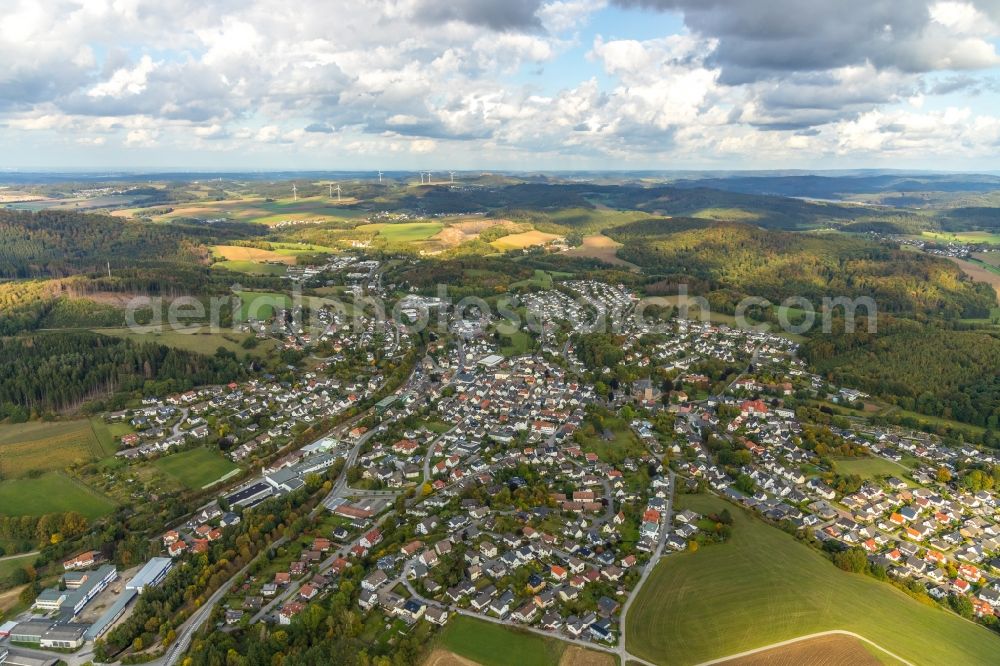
x=251 y=267
x=541 y=279
x=192 y=339
x=495 y=645
x=295 y=249
x=622 y=444
x=195 y=468
x=10 y=565
x=261 y=304
x=729 y=214
x=520 y=343
x=869 y=468
x=109 y=434
x=963 y=236
x=51 y=493
x=44 y=446
x=762 y=586
x=403 y=232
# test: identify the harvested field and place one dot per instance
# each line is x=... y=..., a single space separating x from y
x=240 y=253
x=523 y=240
x=836 y=650
x=578 y=656
x=979 y=273
x=599 y=246
x=991 y=258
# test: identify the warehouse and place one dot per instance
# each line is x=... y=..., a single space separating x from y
x=151 y=575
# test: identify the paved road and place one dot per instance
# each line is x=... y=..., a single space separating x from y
x=623 y=654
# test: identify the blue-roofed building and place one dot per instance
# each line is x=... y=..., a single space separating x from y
x=151 y=575
x=111 y=616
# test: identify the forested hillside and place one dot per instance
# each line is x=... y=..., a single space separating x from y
x=947 y=373
x=776 y=265
x=59 y=243
x=53 y=371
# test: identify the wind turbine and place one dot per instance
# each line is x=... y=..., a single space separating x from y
x=452 y=174
x=331 y=190
x=379 y=177
x=338 y=192
x=295 y=192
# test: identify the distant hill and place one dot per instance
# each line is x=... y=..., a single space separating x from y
x=776 y=264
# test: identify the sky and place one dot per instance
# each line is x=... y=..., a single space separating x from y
x=503 y=84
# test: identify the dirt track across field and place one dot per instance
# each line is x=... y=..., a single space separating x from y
x=441 y=657
x=833 y=649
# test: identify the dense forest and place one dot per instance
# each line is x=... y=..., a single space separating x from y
x=59 y=243
x=936 y=371
x=53 y=371
x=776 y=265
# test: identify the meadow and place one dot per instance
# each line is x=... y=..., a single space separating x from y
x=622 y=442
x=403 y=232
x=195 y=339
x=195 y=468
x=251 y=267
x=109 y=434
x=257 y=209
x=762 y=586
x=869 y=468
x=52 y=492
x=41 y=446
x=9 y=565
x=495 y=645
x=984 y=237
x=261 y=304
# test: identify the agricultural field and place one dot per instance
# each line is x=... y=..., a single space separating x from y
x=984 y=237
x=402 y=233
x=991 y=258
x=462 y=230
x=869 y=468
x=762 y=587
x=196 y=339
x=524 y=240
x=109 y=434
x=51 y=492
x=42 y=446
x=251 y=254
x=251 y=267
x=602 y=248
x=495 y=645
x=980 y=272
x=195 y=468
x=256 y=209
x=588 y=220
x=829 y=650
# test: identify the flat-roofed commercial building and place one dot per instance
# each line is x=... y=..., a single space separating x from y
x=151 y=575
